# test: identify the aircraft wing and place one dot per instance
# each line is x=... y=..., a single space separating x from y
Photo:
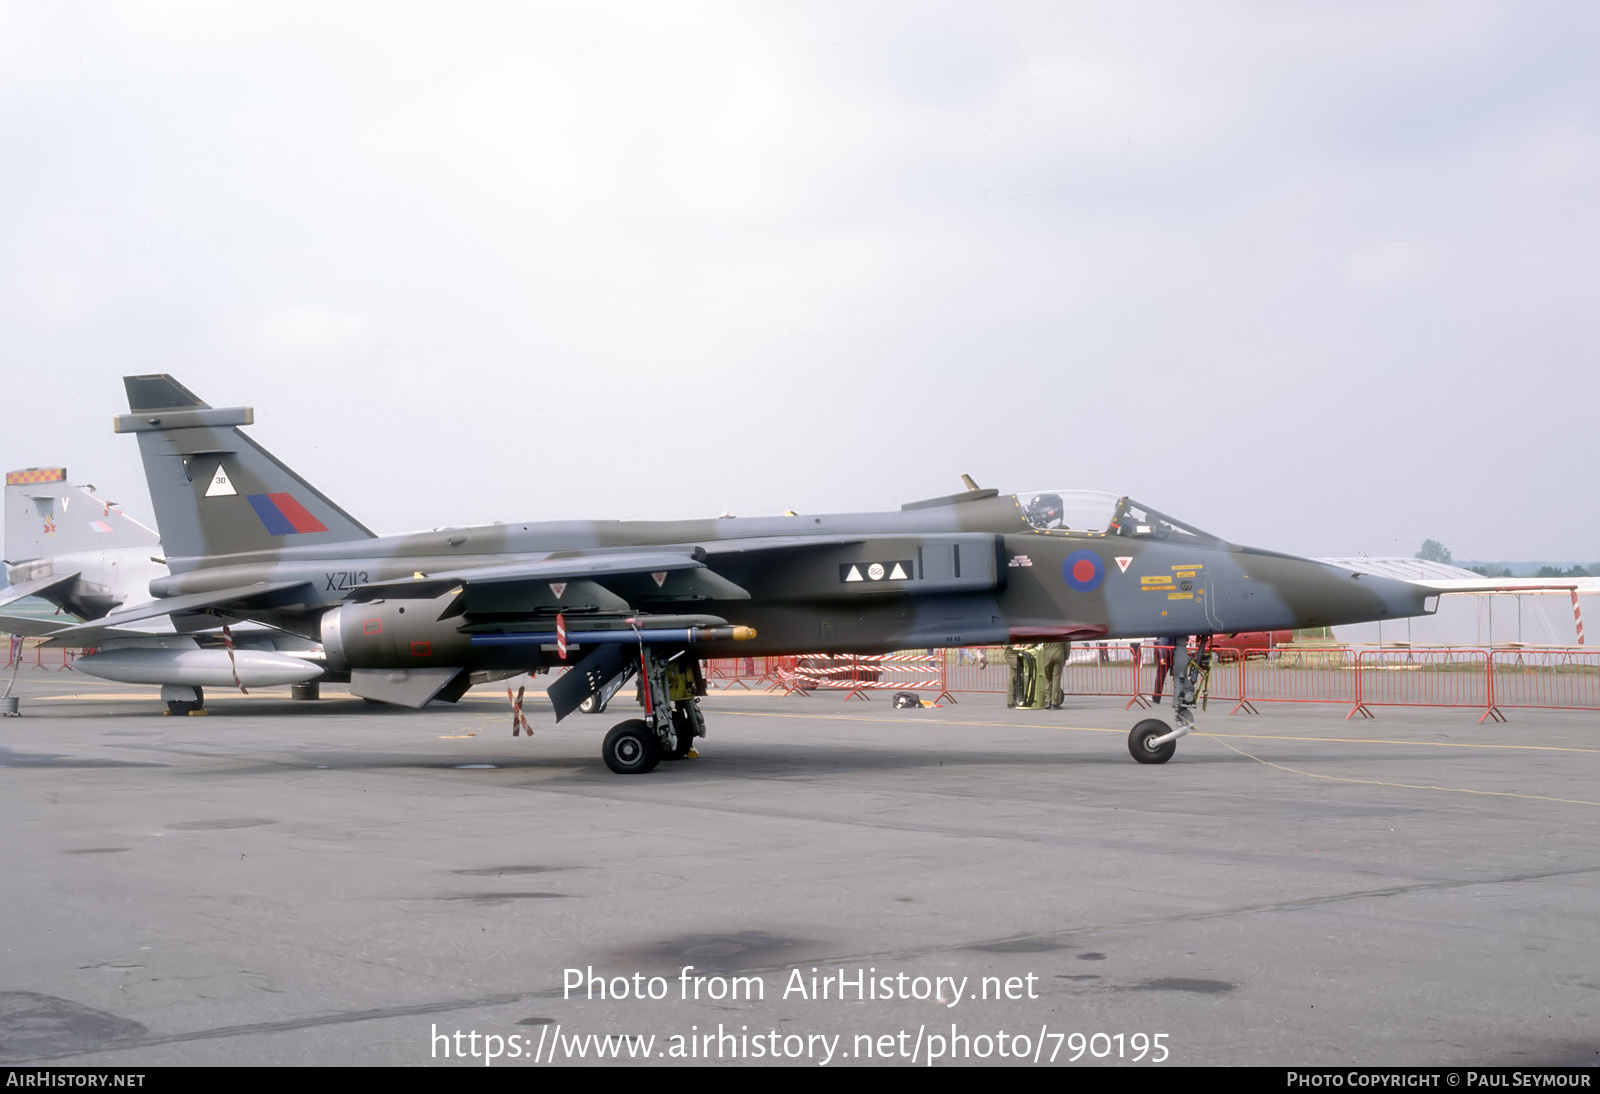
x=29 y=626
x=612 y=580
x=615 y=580
x=266 y=594
x=620 y=579
x=761 y=544
x=1498 y=585
x=85 y=635
x=13 y=593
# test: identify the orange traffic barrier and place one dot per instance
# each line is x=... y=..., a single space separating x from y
x=1424 y=678
x=1551 y=679
x=1295 y=675
x=1470 y=678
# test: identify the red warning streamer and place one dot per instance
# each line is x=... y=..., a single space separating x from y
x=519 y=722
x=227 y=644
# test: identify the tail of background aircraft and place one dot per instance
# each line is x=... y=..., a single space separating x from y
x=47 y=516
x=215 y=491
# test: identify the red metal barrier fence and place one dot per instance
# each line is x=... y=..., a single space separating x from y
x=54 y=658
x=1312 y=675
x=744 y=672
x=1424 y=678
x=1090 y=670
x=1359 y=680
x=1102 y=670
x=859 y=675
x=1567 y=679
x=1545 y=678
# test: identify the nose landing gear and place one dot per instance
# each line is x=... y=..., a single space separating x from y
x=1152 y=741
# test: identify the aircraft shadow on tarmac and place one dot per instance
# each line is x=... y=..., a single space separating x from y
x=737 y=760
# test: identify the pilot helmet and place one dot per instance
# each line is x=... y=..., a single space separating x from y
x=1044 y=511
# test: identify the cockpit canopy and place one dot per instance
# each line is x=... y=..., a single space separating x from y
x=1045 y=511
x=1093 y=513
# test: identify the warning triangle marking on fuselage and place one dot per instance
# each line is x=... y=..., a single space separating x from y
x=897 y=574
x=854 y=575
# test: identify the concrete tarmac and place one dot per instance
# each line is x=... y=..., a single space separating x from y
x=334 y=883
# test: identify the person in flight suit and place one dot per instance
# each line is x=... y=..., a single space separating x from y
x=1166 y=646
x=1052 y=660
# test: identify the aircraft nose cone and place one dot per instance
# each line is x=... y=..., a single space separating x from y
x=1353 y=597
x=1301 y=592
x=1399 y=598
x=1412 y=598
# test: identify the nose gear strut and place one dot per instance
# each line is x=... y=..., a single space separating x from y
x=1152 y=741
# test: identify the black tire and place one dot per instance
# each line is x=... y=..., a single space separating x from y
x=184 y=706
x=631 y=748
x=592 y=705
x=1139 y=746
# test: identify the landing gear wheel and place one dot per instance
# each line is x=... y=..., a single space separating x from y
x=592 y=705
x=184 y=706
x=1141 y=749
x=631 y=748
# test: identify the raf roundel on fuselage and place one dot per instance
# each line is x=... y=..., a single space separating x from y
x=1083 y=571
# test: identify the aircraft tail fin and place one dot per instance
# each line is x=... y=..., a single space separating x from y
x=47 y=516
x=215 y=491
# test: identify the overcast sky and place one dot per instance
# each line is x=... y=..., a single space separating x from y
x=1316 y=277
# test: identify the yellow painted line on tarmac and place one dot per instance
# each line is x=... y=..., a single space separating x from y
x=492 y=701
x=1377 y=741
x=901 y=721
x=1235 y=736
x=1269 y=763
x=1403 y=786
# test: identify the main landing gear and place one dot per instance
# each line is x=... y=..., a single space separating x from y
x=182 y=699
x=1152 y=741
x=669 y=690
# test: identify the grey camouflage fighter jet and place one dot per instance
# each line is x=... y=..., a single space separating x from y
x=411 y=618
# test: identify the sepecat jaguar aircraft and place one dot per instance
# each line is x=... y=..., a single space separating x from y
x=416 y=617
